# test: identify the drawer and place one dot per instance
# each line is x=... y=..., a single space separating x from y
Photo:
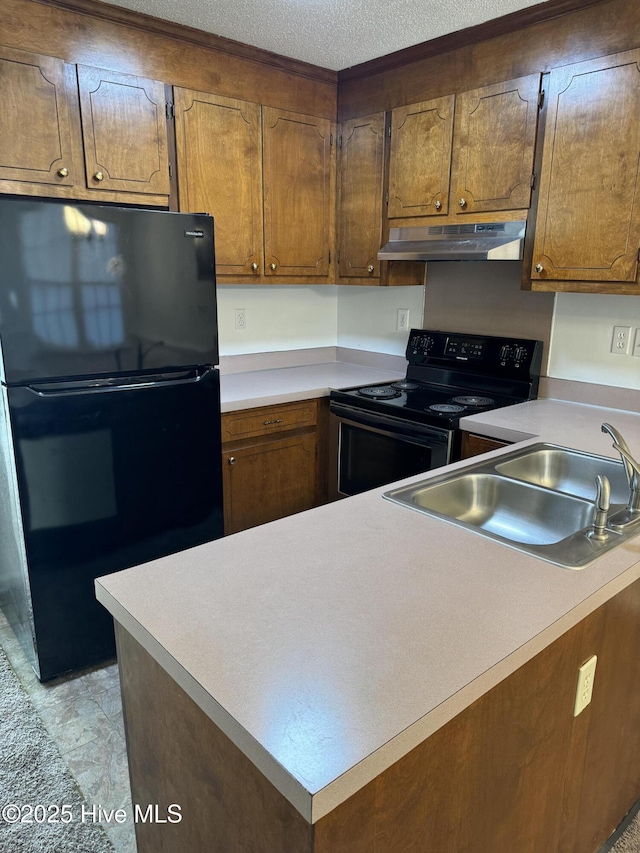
x=267 y=420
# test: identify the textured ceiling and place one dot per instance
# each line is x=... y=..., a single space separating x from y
x=334 y=34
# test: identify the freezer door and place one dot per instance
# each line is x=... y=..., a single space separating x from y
x=88 y=290
x=108 y=478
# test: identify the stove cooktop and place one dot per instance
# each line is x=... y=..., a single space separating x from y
x=422 y=403
x=451 y=375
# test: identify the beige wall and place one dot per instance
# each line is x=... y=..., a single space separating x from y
x=484 y=298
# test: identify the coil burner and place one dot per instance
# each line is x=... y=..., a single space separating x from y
x=473 y=401
x=446 y=409
x=405 y=385
x=379 y=392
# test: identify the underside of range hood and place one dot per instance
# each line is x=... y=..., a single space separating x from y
x=482 y=241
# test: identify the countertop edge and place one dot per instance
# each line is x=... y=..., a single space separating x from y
x=314 y=806
x=288 y=786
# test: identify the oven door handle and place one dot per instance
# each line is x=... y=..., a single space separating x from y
x=396 y=426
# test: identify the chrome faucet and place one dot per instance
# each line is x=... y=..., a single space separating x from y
x=600 y=509
x=630 y=515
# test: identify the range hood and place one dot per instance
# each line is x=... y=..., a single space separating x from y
x=482 y=241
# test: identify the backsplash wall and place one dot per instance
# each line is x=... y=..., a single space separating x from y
x=582 y=335
x=299 y=317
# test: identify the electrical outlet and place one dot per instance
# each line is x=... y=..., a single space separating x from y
x=636 y=344
x=621 y=340
x=402 y=324
x=241 y=319
x=586 y=677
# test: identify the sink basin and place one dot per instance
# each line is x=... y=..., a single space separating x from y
x=538 y=500
x=506 y=508
x=567 y=471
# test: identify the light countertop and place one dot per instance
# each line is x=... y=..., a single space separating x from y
x=287 y=384
x=328 y=644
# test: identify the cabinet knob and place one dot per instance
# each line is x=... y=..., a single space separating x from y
x=274 y=267
x=370 y=268
x=539 y=268
x=232 y=460
x=462 y=202
x=63 y=172
x=438 y=204
x=99 y=176
x=254 y=266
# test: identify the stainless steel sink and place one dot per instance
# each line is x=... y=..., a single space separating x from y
x=538 y=500
x=567 y=471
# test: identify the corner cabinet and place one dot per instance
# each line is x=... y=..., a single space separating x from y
x=270 y=463
x=361 y=149
x=587 y=227
x=266 y=176
x=471 y=153
x=52 y=112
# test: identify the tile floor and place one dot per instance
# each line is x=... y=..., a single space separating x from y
x=83 y=715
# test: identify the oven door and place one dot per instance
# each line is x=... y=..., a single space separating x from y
x=374 y=450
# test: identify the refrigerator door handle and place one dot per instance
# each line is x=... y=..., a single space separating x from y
x=100 y=386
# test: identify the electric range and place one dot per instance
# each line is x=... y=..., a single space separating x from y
x=392 y=430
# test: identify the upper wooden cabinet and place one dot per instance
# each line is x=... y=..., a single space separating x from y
x=494 y=142
x=219 y=151
x=476 y=158
x=51 y=111
x=36 y=137
x=420 y=160
x=266 y=177
x=588 y=218
x=124 y=131
x=360 y=190
x=297 y=193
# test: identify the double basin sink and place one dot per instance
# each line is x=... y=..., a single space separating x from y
x=539 y=500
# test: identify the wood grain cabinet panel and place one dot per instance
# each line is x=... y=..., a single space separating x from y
x=125 y=132
x=474 y=445
x=36 y=134
x=360 y=188
x=588 y=218
x=420 y=160
x=219 y=153
x=494 y=143
x=297 y=193
x=270 y=463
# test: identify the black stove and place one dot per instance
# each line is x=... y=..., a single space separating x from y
x=452 y=375
x=385 y=432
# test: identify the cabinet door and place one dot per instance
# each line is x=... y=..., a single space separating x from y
x=360 y=185
x=493 y=146
x=268 y=480
x=35 y=140
x=420 y=158
x=219 y=148
x=588 y=219
x=125 y=132
x=297 y=193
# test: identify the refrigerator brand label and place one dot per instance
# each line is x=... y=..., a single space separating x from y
x=194 y=233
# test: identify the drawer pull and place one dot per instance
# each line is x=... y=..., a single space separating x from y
x=232 y=460
x=63 y=172
x=277 y=421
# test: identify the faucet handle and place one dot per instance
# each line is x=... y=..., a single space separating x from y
x=601 y=504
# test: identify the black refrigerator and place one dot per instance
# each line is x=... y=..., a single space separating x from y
x=110 y=419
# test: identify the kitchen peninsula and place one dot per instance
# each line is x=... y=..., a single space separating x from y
x=361 y=677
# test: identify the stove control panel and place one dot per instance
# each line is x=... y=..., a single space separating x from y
x=475 y=353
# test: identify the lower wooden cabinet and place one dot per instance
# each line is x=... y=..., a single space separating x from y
x=474 y=445
x=271 y=463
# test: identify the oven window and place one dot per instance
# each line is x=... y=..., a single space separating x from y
x=371 y=459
